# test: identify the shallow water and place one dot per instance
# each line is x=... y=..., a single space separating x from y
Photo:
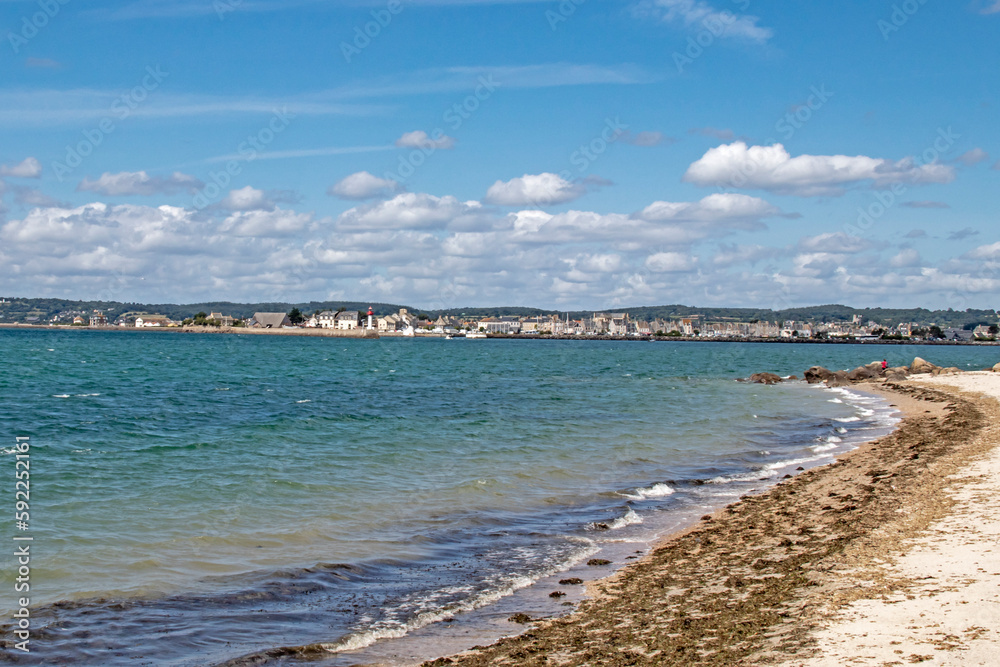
x=197 y=498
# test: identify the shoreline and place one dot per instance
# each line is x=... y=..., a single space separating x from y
x=364 y=334
x=803 y=550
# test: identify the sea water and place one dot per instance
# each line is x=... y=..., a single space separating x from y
x=198 y=499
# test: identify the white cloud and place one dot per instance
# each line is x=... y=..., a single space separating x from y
x=973 y=157
x=671 y=262
x=132 y=183
x=28 y=168
x=408 y=211
x=772 y=168
x=544 y=189
x=699 y=15
x=835 y=242
x=908 y=257
x=266 y=223
x=986 y=252
x=713 y=208
x=420 y=139
x=363 y=185
x=247 y=199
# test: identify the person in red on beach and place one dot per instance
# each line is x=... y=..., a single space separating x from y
x=885 y=364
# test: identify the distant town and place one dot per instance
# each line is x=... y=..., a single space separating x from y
x=403 y=322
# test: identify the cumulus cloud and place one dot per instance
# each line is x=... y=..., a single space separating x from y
x=544 y=189
x=28 y=168
x=408 y=210
x=247 y=199
x=973 y=157
x=420 y=139
x=908 y=257
x=363 y=185
x=265 y=223
x=700 y=15
x=139 y=183
x=834 y=242
x=713 y=208
x=988 y=252
x=772 y=168
x=670 y=262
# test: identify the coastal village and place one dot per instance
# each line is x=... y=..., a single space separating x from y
x=607 y=324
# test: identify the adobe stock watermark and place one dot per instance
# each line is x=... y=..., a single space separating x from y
x=223 y=7
x=247 y=151
x=787 y=126
x=562 y=12
x=713 y=27
x=454 y=117
x=121 y=108
x=795 y=120
x=886 y=199
x=901 y=14
x=32 y=24
x=365 y=34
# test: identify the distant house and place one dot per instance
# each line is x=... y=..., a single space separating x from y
x=957 y=334
x=270 y=321
x=78 y=320
x=982 y=332
x=500 y=325
x=347 y=320
x=327 y=320
x=153 y=321
x=226 y=320
x=98 y=319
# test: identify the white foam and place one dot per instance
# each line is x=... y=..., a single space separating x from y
x=656 y=491
x=392 y=629
x=305 y=400
x=834 y=400
x=630 y=518
x=60 y=395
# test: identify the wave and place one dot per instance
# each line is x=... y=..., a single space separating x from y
x=655 y=491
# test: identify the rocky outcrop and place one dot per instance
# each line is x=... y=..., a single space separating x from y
x=951 y=370
x=863 y=373
x=922 y=366
x=817 y=374
x=897 y=373
x=839 y=379
x=996 y=369
x=764 y=378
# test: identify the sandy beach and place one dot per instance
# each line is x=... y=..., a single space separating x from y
x=888 y=556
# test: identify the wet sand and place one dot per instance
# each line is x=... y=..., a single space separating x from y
x=773 y=578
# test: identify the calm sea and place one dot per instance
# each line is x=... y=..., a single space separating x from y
x=196 y=499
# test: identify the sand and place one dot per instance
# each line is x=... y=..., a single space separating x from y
x=888 y=556
x=945 y=607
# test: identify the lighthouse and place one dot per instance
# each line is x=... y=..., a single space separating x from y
x=370 y=313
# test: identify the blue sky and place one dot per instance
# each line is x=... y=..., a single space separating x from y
x=447 y=153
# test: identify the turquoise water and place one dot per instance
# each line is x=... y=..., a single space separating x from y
x=196 y=498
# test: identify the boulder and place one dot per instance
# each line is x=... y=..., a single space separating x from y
x=951 y=370
x=818 y=374
x=838 y=379
x=896 y=374
x=863 y=373
x=996 y=369
x=921 y=366
x=765 y=378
